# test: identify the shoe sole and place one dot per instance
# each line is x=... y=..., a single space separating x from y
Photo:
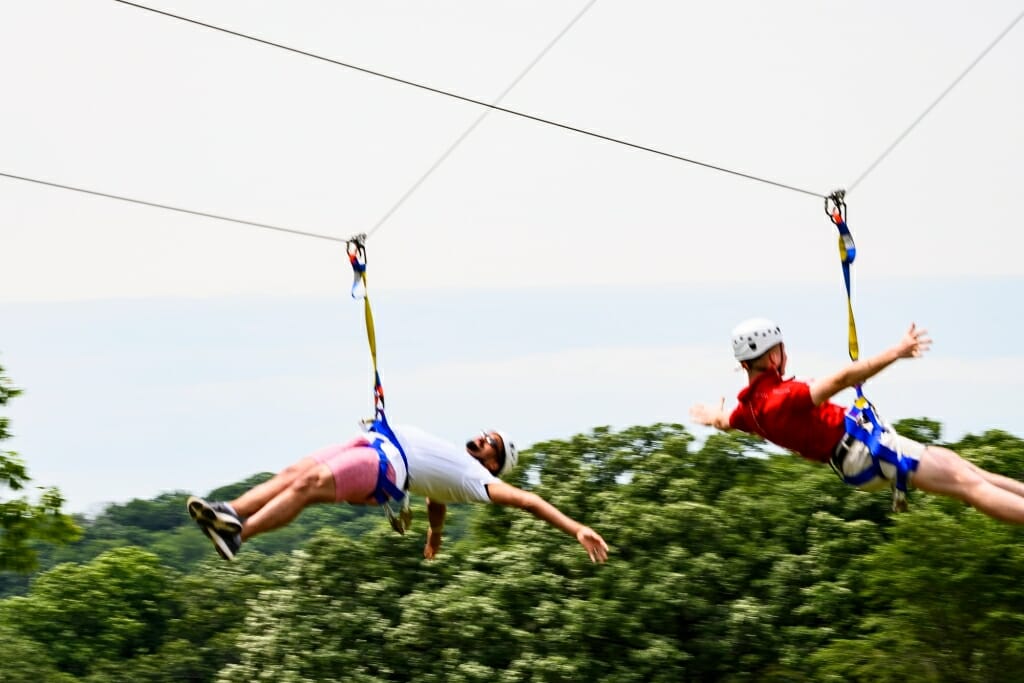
x=222 y=548
x=203 y=514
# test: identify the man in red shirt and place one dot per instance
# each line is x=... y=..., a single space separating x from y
x=800 y=417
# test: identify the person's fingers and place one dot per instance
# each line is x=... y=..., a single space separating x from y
x=922 y=342
x=597 y=549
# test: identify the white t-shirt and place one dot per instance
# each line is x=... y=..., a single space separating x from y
x=439 y=469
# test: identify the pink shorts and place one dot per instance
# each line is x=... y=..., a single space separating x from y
x=355 y=466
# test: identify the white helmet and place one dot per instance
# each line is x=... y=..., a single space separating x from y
x=752 y=338
x=511 y=454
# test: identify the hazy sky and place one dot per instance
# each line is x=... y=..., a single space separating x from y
x=551 y=280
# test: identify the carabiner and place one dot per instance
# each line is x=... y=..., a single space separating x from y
x=835 y=206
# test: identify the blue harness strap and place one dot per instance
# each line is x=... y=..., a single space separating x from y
x=386 y=489
x=861 y=413
x=835 y=207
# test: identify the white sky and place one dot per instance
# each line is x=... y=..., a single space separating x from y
x=108 y=97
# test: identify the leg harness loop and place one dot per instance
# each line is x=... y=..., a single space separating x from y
x=864 y=426
x=387 y=490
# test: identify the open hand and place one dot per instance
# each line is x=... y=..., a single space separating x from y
x=595 y=546
x=914 y=343
x=708 y=415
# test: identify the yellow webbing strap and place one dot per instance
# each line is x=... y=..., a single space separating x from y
x=356 y=248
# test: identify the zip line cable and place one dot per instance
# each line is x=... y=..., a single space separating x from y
x=488 y=108
x=204 y=214
x=494 y=107
x=458 y=141
x=927 y=111
x=390 y=211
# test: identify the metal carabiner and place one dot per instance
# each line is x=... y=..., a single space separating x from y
x=835 y=206
x=356 y=248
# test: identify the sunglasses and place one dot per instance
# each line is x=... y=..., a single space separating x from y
x=491 y=441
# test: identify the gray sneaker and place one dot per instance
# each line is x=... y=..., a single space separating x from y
x=216 y=514
x=227 y=544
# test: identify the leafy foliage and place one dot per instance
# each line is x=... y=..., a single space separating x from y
x=22 y=520
x=730 y=562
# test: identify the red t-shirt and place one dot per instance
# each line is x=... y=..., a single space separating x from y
x=782 y=412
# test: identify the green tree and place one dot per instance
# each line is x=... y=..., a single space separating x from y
x=117 y=607
x=941 y=596
x=730 y=562
x=334 y=614
x=21 y=520
x=25 y=660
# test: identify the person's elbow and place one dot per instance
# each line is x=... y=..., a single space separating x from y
x=506 y=495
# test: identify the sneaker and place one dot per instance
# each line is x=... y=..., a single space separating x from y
x=227 y=544
x=218 y=515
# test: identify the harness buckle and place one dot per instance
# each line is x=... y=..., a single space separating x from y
x=401 y=522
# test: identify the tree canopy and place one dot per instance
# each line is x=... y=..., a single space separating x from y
x=729 y=562
x=23 y=520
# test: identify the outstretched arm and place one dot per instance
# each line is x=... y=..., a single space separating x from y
x=435 y=518
x=710 y=415
x=509 y=496
x=913 y=344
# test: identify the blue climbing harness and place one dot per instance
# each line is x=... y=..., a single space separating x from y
x=387 y=489
x=860 y=415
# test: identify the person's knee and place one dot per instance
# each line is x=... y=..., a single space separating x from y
x=940 y=470
x=972 y=485
x=298 y=468
x=312 y=482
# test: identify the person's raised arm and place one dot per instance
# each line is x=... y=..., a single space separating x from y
x=913 y=344
x=510 y=496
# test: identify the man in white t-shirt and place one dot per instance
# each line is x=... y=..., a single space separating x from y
x=370 y=470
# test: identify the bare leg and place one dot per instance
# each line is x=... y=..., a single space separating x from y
x=1011 y=485
x=315 y=485
x=942 y=471
x=250 y=502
